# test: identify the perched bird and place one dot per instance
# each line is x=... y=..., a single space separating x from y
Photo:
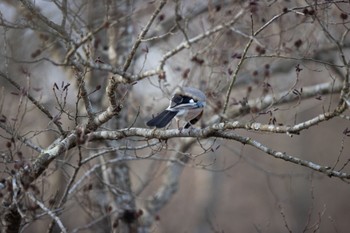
x=187 y=103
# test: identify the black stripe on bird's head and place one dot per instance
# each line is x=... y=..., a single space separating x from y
x=181 y=99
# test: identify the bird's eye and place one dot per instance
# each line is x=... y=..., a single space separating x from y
x=177 y=99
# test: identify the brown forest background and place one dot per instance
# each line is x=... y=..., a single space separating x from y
x=79 y=79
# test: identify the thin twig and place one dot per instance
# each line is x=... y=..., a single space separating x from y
x=34 y=101
x=142 y=35
x=48 y=211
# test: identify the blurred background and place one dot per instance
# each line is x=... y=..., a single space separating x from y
x=288 y=60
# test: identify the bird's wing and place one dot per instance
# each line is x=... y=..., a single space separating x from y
x=162 y=119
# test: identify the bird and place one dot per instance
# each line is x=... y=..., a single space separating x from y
x=187 y=103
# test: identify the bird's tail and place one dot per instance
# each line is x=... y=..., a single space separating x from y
x=162 y=119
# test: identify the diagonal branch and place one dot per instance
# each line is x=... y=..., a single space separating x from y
x=142 y=35
x=24 y=140
x=48 y=211
x=34 y=101
x=45 y=20
x=200 y=37
x=283 y=155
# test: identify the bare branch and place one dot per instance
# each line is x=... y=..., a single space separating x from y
x=34 y=101
x=24 y=140
x=282 y=155
x=206 y=34
x=48 y=211
x=142 y=35
x=44 y=19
